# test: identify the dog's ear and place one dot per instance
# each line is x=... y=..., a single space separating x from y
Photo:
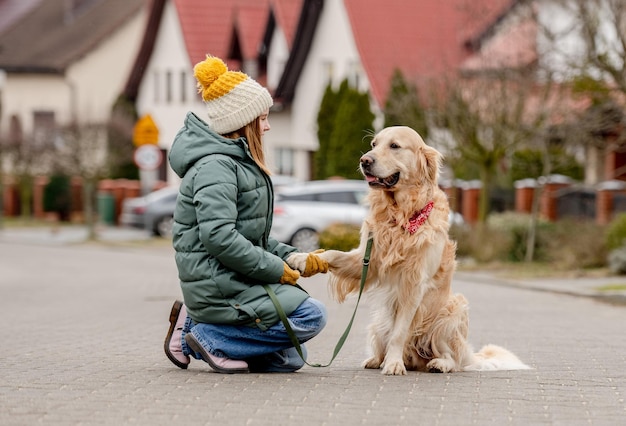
x=433 y=163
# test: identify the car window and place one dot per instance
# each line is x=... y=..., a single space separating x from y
x=297 y=197
x=341 y=197
x=163 y=194
x=337 y=197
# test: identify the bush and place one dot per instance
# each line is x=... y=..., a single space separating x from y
x=617 y=261
x=57 y=196
x=340 y=237
x=616 y=232
x=503 y=239
x=568 y=244
x=481 y=243
x=575 y=244
x=516 y=226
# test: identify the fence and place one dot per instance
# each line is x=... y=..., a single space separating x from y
x=561 y=197
x=113 y=191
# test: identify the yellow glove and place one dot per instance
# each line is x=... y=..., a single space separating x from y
x=315 y=264
x=289 y=275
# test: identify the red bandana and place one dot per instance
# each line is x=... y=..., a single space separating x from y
x=419 y=218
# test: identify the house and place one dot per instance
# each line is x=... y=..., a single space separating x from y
x=296 y=47
x=62 y=63
x=65 y=61
x=181 y=33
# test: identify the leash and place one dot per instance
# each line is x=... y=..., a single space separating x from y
x=344 y=336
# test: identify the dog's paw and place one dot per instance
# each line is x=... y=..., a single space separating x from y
x=332 y=257
x=395 y=368
x=297 y=261
x=372 y=362
x=440 y=365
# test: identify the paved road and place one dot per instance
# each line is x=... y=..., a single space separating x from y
x=83 y=326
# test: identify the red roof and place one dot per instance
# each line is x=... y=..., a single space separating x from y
x=287 y=13
x=250 y=23
x=423 y=39
x=206 y=29
x=209 y=28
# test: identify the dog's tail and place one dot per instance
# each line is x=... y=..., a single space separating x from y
x=493 y=358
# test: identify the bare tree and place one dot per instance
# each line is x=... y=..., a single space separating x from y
x=28 y=156
x=82 y=151
x=488 y=117
x=588 y=49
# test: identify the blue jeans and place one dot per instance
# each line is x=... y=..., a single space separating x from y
x=264 y=351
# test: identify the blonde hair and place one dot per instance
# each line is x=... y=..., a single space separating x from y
x=252 y=133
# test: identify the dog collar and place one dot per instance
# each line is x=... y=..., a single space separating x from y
x=419 y=218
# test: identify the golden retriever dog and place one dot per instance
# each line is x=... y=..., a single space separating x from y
x=418 y=322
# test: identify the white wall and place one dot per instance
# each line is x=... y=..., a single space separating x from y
x=169 y=55
x=277 y=58
x=99 y=77
x=23 y=94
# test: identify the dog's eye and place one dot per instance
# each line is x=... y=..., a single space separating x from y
x=373 y=144
x=394 y=146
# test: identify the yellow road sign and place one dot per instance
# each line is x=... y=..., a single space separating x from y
x=145 y=132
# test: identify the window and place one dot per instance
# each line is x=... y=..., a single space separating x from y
x=183 y=86
x=168 y=87
x=284 y=161
x=354 y=72
x=299 y=197
x=327 y=72
x=337 y=197
x=157 y=91
x=43 y=128
x=341 y=197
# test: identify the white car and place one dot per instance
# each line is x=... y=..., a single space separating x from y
x=303 y=210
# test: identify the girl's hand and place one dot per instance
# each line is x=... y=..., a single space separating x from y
x=308 y=264
x=289 y=275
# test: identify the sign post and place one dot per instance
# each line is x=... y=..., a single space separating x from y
x=147 y=156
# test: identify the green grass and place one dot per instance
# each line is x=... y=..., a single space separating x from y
x=612 y=287
x=522 y=270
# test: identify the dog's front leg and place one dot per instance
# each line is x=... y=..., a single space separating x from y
x=399 y=335
x=377 y=344
x=394 y=363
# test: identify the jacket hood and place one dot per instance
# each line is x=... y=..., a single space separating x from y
x=195 y=141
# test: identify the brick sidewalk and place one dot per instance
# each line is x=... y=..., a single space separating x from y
x=84 y=325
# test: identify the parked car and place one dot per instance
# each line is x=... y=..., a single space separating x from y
x=153 y=212
x=302 y=211
x=280 y=181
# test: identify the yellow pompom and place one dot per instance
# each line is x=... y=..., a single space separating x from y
x=207 y=71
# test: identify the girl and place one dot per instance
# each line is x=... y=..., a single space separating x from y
x=224 y=253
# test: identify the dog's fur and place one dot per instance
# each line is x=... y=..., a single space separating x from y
x=418 y=323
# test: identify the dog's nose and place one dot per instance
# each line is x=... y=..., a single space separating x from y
x=367 y=160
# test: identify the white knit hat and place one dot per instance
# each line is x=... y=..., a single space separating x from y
x=232 y=98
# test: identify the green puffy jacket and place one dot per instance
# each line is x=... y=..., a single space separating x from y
x=221 y=231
